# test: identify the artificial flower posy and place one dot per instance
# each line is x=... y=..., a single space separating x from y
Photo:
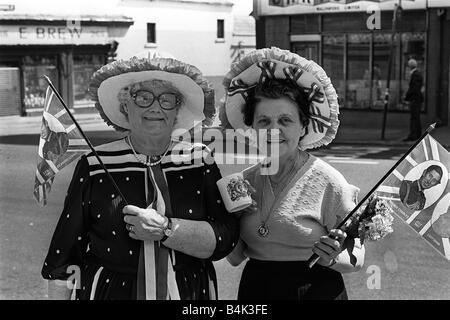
x=376 y=220
x=373 y=223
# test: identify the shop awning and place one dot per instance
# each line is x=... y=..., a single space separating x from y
x=291 y=7
x=49 y=29
x=58 y=19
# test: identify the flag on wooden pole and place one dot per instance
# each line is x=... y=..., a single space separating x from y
x=419 y=191
x=410 y=193
x=61 y=142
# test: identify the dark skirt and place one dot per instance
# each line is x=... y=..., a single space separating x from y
x=103 y=281
x=290 y=280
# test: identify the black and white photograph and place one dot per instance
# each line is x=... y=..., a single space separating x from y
x=250 y=152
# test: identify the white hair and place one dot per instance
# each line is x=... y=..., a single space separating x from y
x=412 y=63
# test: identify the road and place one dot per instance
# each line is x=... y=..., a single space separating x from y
x=408 y=267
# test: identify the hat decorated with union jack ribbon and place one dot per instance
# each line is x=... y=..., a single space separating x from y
x=274 y=63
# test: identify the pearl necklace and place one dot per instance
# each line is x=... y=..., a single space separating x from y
x=156 y=159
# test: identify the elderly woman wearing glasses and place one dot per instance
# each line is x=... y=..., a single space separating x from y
x=161 y=245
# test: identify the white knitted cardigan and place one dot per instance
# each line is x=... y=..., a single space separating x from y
x=315 y=200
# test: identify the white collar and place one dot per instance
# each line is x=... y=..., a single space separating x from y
x=418 y=184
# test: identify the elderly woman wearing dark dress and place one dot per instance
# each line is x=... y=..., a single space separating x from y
x=161 y=245
x=279 y=92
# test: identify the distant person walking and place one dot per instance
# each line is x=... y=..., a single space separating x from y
x=415 y=99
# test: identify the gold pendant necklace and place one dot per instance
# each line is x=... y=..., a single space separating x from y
x=263 y=229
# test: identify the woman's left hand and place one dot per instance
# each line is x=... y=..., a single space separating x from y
x=329 y=246
x=144 y=224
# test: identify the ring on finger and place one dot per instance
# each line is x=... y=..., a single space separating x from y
x=129 y=227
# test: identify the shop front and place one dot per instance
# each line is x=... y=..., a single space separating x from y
x=353 y=41
x=67 y=53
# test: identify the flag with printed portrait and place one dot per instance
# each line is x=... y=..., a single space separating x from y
x=419 y=191
x=60 y=143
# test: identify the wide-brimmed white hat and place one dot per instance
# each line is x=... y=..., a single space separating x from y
x=263 y=64
x=198 y=94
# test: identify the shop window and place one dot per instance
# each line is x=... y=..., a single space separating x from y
x=10 y=99
x=220 y=29
x=151 y=32
x=363 y=84
x=308 y=50
x=411 y=45
x=358 y=71
x=333 y=47
x=382 y=43
x=84 y=66
x=34 y=67
x=305 y=23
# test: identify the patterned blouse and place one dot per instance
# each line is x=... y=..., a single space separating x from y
x=91 y=232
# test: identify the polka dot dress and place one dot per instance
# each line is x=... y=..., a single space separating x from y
x=91 y=232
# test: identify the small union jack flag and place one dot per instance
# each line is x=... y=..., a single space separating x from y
x=419 y=191
x=60 y=143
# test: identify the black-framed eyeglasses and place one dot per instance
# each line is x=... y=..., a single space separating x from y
x=145 y=99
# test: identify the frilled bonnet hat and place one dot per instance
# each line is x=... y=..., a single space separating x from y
x=198 y=94
x=263 y=64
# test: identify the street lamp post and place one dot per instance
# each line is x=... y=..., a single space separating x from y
x=395 y=19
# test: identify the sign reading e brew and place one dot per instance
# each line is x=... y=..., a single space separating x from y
x=35 y=35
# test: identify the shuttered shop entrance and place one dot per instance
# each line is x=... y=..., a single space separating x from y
x=9 y=92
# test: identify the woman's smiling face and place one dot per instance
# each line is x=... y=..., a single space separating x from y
x=281 y=114
x=152 y=120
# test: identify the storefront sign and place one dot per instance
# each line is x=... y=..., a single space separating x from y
x=7 y=7
x=53 y=35
x=289 y=7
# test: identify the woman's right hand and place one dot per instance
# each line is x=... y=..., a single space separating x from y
x=58 y=290
x=329 y=246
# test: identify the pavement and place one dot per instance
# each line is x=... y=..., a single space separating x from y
x=348 y=134
x=393 y=137
x=400 y=267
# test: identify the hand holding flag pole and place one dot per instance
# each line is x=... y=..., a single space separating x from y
x=314 y=258
x=86 y=139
